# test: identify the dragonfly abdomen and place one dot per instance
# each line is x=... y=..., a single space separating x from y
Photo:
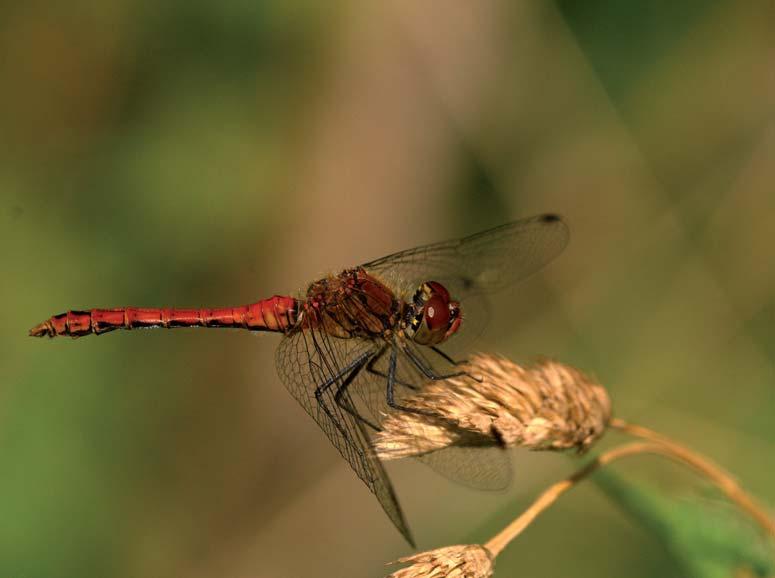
x=277 y=314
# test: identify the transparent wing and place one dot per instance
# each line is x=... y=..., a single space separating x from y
x=475 y=466
x=309 y=358
x=481 y=263
x=371 y=387
x=482 y=468
x=475 y=266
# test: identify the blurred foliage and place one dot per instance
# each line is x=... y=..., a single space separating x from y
x=624 y=42
x=708 y=539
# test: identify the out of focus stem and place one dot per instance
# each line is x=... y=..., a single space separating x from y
x=705 y=467
x=655 y=444
x=498 y=542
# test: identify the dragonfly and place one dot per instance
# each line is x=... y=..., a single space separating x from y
x=361 y=340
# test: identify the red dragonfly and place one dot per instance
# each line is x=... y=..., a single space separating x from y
x=359 y=341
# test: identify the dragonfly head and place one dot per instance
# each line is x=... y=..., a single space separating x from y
x=432 y=316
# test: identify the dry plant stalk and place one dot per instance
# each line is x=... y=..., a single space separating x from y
x=549 y=406
x=474 y=560
x=427 y=564
x=705 y=467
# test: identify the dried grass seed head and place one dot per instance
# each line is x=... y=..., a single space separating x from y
x=467 y=561
x=548 y=406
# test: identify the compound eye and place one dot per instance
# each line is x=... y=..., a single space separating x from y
x=437 y=288
x=437 y=313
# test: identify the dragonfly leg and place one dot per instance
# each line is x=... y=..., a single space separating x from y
x=371 y=369
x=453 y=362
x=355 y=364
x=440 y=353
x=427 y=371
x=344 y=403
x=390 y=391
x=350 y=371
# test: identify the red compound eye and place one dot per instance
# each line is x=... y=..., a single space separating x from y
x=437 y=313
x=438 y=289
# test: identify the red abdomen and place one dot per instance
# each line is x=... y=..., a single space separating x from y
x=277 y=314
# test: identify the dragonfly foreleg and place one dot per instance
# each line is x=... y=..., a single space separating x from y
x=390 y=391
x=425 y=370
x=440 y=353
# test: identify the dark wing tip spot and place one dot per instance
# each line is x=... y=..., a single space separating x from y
x=550 y=218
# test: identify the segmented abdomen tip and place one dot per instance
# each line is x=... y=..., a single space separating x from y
x=41 y=330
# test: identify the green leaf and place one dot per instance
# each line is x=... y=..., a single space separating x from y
x=709 y=539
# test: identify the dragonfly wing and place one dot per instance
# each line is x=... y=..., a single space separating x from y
x=481 y=468
x=473 y=267
x=305 y=360
x=481 y=263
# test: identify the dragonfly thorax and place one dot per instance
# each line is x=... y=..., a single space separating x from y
x=350 y=304
x=432 y=316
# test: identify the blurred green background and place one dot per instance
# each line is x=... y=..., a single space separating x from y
x=203 y=153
